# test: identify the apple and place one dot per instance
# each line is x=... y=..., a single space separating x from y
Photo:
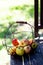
x=22 y=43
x=15 y=42
x=30 y=41
x=34 y=45
x=12 y=50
x=26 y=41
x=27 y=49
x=20 y=51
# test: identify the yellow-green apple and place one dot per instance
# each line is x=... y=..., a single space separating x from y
x=19 y=51
x=34 y=45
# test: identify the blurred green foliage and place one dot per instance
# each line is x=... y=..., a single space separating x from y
x=1 y=46
x=27 y=10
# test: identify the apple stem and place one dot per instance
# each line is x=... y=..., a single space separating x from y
x=29 y=60
x=22 y=60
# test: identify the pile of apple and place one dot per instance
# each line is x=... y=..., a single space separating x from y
x=22 y=47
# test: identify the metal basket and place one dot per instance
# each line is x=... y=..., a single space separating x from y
x=15 y=31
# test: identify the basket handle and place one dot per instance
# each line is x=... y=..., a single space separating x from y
x=22 y=22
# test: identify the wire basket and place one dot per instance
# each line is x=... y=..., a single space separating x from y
x=18 y=30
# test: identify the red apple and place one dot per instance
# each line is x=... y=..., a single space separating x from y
x=15 y=42
x=30 y=41
x=27 y=49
